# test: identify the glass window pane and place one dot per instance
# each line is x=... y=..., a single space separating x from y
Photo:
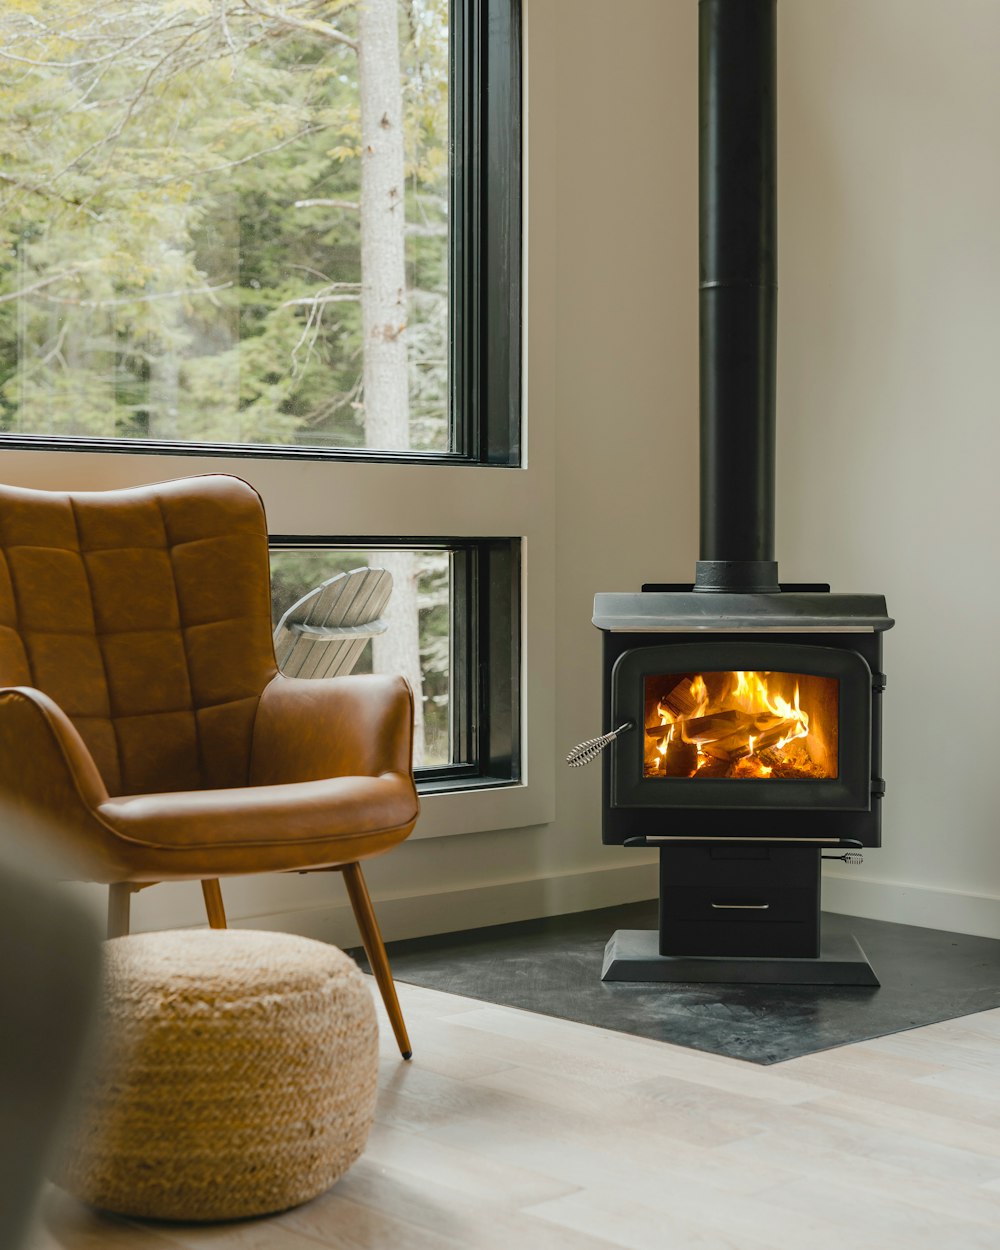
x=226 y=222
x=416 y=641
x=744 y=725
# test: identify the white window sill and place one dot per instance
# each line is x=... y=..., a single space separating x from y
x=518 y=806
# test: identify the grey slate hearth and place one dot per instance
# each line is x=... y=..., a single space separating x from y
x=553 y=967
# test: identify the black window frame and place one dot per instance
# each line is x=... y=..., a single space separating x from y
x=485 y=265
x=485 y=702
x=484 y=268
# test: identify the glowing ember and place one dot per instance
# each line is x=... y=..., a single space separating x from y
x=740 y=725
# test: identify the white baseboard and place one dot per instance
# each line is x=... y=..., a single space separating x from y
x=502 y=902
x=904 y=903
x=406 y=916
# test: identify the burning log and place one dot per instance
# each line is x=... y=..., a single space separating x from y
x=716 y=768
x=677 y=704
x=732 y=735
x=717 y=725
x=680 y=702
x=681 y=759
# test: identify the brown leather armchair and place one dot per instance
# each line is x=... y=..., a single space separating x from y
x=146 y=716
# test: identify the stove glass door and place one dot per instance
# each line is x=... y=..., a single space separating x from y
x=743 y=724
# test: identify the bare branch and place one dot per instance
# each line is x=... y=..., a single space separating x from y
x=350 y=205
x=304 y=133
x=317 y=273
x=117 y=130
x=314 y=301
x=135 y=299
x=42 y=282
x=112 y=137
x=48 y=193
x=313 y=25
x=227 y=34
x=81 y=61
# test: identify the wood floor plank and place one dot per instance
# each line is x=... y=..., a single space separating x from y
x=448 y=1052
x=420 y=1209
x=683 y=1120
x=472 y=1172
x=335 y=1222
x=691 y=1223
x=566 y=1047
x=923 y=1175
x=64 y=1223
x=861 y=1109
x=854 y=1217
x=902 y=1092
x=623 y=1157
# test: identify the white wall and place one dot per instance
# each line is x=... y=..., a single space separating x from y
x=890 y=289
x=888 y=406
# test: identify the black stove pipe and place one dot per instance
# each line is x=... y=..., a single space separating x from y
x=738 y=293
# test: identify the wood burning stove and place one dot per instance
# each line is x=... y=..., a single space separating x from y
x=747 y=739
x=743 y=717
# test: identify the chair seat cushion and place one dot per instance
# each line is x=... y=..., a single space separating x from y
x=260 y=828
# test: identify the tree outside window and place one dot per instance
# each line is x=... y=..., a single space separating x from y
x=227 y=221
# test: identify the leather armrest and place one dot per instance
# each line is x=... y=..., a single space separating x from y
x=45 y=768
x=310 y=730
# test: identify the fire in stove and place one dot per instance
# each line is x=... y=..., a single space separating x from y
x=741 y=725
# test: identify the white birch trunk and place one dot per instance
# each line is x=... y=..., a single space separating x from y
x=384 y=313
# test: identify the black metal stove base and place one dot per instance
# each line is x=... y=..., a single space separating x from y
x=633 y=955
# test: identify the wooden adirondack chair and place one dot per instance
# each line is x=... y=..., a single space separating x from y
x=324 y=633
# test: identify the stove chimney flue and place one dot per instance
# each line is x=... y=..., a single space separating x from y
x=738 y=293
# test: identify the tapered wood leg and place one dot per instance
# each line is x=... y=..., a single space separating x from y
x=119 y=900
x=371 y=937
x=213 y=903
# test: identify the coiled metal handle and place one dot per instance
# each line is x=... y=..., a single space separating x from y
x=588 y=751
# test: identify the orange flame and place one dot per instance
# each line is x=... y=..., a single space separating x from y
x=740 y=724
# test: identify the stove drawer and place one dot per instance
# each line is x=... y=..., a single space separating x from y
x=744 y=904
x=753 y=871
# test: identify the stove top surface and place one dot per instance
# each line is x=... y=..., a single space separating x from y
x=683 y=610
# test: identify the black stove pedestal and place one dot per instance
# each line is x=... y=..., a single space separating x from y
x=737 y=898
x=738 y=912
x=634 y=955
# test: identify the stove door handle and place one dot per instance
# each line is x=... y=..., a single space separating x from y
x=587 y=751
x=740 y=906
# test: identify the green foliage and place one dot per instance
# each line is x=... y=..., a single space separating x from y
x=157 y=278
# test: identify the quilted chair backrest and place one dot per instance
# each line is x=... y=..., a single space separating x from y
x=146 y=615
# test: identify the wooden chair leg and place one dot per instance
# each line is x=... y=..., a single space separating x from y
x=119 y=900
x=213 y=903
x=371 y=937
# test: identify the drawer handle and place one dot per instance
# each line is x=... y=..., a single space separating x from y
x=740 y=906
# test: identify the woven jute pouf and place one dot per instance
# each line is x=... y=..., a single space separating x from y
x=236 y=1076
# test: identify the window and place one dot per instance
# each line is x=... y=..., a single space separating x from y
x=261 y=225
x=459 y=602
x=182 y=281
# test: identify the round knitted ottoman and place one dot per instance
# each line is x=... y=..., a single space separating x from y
x=236 y=1076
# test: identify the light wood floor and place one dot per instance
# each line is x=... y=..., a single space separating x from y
x=514 y=1131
